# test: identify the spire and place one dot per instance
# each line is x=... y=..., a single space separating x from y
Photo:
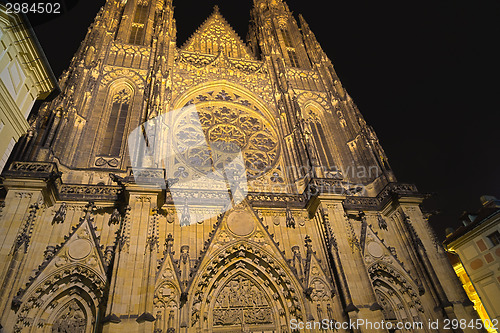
x=270 y=3
x=215 y=34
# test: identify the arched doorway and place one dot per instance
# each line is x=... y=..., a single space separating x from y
x=244 y=288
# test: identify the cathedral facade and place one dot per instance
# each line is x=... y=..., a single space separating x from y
x=217 y=186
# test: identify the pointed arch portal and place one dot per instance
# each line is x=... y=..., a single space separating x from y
x=245 y=288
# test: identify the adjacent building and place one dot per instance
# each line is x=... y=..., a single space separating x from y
x=25 y=76
x=477 y=244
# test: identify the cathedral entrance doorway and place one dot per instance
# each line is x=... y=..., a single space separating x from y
x=241 y=305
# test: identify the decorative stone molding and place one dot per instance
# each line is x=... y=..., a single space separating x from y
x=254 y=263
x=26 y=231
x=89 y=192
x=111 y=73
x=376 y=203
x=23 y=195
x=304 y=98
x=276 y=200
x=316 y=186
x=201 y=60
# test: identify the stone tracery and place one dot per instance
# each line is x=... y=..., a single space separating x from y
x=166 y=304
x=244 y=265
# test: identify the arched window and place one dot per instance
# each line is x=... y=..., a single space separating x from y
x=294 y=61
x=113 y=136
x=138 y=24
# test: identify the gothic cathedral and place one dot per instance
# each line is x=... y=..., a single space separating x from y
x=217 y=186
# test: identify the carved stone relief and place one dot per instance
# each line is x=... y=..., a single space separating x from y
x=241 y=302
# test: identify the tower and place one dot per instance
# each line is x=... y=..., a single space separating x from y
x=217 y=186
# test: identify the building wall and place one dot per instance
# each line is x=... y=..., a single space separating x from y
x=23 y=79
x=96 y=234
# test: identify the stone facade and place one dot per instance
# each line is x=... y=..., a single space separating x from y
x=323 y=230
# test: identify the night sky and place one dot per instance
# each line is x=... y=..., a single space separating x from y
x=423 y=73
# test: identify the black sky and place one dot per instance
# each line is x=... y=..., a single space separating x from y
x=423 y=73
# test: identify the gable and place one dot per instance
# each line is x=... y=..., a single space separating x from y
x=216 y=35
x=76 y=264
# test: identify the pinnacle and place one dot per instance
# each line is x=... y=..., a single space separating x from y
x=216 y=9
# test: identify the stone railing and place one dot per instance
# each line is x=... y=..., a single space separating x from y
x=49 y=172
x=33 y=170
x=277 y=200
x=89 y=192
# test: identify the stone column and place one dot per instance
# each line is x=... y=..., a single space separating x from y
x=132 y=290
